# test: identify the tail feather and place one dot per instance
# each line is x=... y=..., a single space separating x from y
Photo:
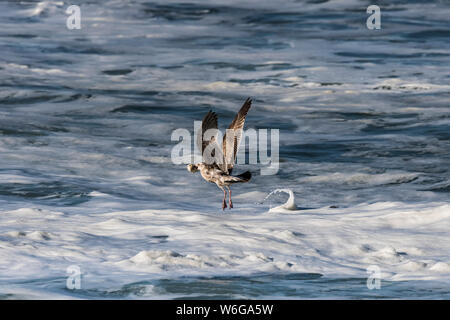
x=243 y=177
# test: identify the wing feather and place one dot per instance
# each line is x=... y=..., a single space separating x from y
x=230 y=145
x=209 y=122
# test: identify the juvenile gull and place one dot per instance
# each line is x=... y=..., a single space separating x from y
x=218 y=163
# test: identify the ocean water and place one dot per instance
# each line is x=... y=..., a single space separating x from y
x=86 y=177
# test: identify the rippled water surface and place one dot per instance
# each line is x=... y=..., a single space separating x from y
x=86 y=179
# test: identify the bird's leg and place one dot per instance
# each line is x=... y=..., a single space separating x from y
x=224 y=203
x=230 y=203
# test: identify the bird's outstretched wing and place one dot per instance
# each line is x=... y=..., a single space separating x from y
x=209 y=122
x=232 y=137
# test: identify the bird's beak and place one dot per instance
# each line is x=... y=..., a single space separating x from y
x=192 y=168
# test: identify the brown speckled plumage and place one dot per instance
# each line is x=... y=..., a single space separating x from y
x=218 y=162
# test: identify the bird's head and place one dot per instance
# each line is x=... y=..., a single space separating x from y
x=192 y=168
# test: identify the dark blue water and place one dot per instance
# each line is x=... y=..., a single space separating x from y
x=363 y=114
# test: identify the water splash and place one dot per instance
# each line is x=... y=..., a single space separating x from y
x=288 y=205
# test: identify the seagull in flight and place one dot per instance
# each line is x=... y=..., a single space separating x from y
x=218 y=162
